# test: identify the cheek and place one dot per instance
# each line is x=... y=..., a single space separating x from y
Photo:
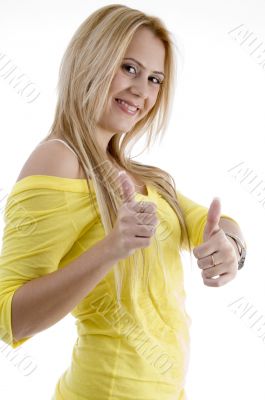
x=152 y=101
x=118 y=83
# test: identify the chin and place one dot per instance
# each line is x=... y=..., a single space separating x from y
x=122 y=127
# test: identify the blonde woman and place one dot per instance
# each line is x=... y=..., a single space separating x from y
x=81 y=237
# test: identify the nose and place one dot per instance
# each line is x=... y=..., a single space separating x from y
x=139 y=87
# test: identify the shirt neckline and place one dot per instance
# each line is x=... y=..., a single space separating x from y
x=66 y=184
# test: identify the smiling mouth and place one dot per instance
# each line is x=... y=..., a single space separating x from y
x=129 y=110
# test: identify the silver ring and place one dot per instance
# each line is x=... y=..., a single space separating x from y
x=213 y=260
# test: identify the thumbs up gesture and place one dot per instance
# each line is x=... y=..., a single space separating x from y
x=136 y=221
x=217 y=255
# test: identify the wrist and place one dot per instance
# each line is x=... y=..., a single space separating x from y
x=110 y=249
x=235 y=247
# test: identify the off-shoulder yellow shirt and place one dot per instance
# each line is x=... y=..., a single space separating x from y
x=139 y=351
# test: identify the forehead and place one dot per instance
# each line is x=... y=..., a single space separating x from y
x=148 y=49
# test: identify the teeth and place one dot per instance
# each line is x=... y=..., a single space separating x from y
x=130 y=108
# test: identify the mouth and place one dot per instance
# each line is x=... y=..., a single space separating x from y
x=129 y=110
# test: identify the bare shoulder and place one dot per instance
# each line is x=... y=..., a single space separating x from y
x=52 y=158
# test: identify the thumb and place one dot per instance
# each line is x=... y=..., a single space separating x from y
x=127 y=187
x=213 y=218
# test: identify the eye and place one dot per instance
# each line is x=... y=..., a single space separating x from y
x=128 y=66
x=159 y=82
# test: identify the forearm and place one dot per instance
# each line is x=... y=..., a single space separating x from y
x=42 y=302
x=230 y=226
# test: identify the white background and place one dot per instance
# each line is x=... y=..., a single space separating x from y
x=217 y=123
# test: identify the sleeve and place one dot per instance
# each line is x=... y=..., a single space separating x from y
x=195 y=217
x=38 y=232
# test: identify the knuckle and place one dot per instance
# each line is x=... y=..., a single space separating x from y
x=122 y=224
x=124 y=216
x=154 y=207
x=155 y=220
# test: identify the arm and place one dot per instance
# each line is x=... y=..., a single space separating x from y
x=42 y=302
x=34 y=292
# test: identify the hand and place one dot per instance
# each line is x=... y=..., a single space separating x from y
x=215 y=241
x=133 y=229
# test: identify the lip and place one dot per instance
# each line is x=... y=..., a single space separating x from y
x=130 y=103
x=132 y=114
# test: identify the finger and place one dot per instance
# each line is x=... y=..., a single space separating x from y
x=211 y=246
x=145 y=231
x=207 y=261
x=127 y=187
x=149 y=207
x=211 y=272
x=146 y=219
x=217 y=282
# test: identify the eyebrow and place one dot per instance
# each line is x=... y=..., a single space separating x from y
x=141 y=65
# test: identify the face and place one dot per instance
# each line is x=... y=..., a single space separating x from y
x=134 y=83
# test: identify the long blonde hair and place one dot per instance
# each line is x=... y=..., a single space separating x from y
x=88 y=67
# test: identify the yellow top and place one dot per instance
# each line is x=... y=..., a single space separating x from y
x=137 y=351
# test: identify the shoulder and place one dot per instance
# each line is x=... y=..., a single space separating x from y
x=52 y=158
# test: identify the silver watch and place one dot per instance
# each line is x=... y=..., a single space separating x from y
x=242 y=248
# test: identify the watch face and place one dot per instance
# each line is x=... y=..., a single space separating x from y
x=242 y=259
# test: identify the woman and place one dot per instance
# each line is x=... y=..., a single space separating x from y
x=81 y=237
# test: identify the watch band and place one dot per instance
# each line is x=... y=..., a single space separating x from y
x=241 y=245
